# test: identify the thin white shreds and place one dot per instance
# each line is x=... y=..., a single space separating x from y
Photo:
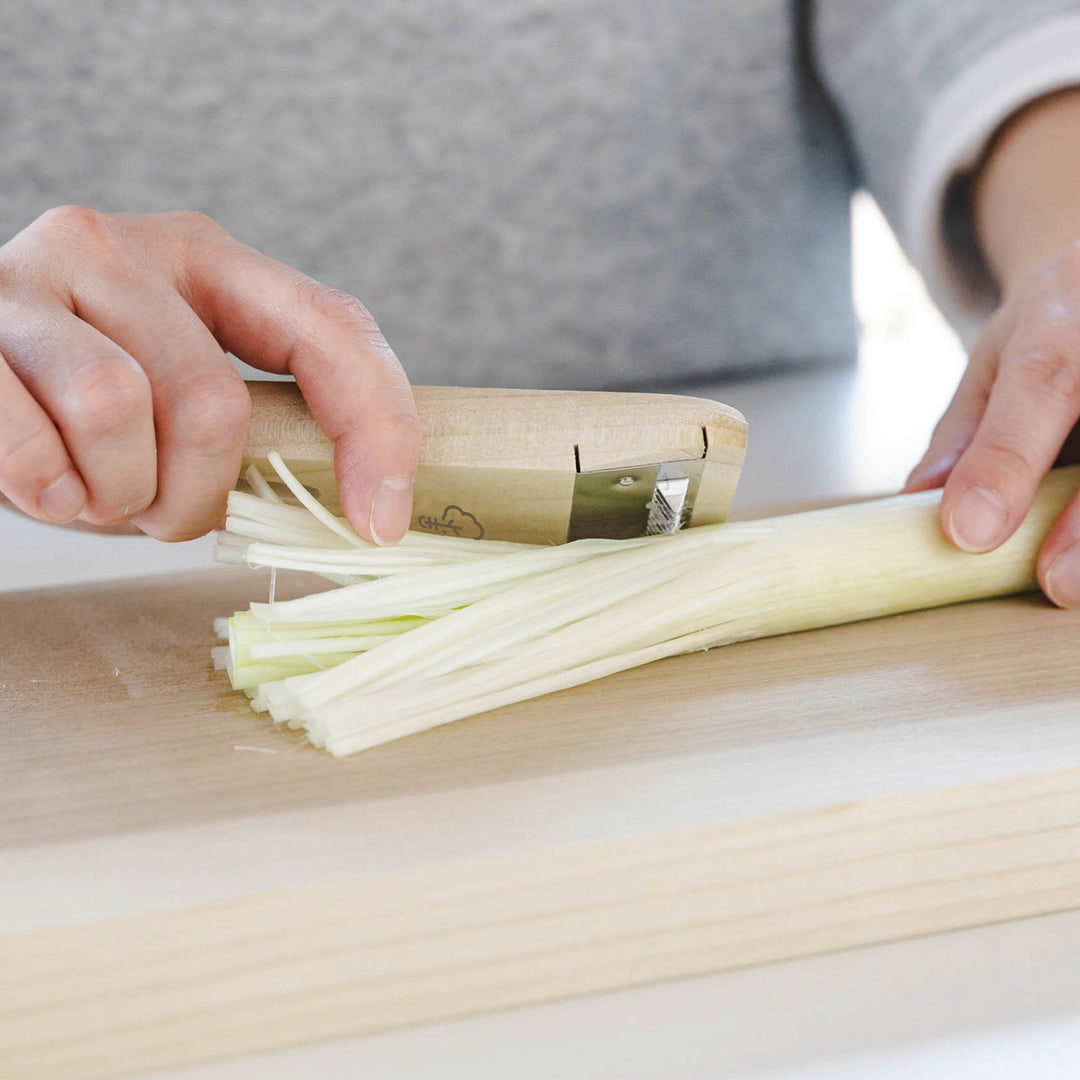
x=506 y=619
x=310 y=503
x=438 y=590
x=278 y=535
x=249 y=516
x=262 y=533
x=356 y=562
x=474 y=625
x=308 y=647
x=243 y=504
x=260 y=486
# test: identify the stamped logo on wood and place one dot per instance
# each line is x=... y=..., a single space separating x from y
x=453 y=521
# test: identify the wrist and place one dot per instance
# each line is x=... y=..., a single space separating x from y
x=1027 y=190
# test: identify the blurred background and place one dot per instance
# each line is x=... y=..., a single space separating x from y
x=818 y=433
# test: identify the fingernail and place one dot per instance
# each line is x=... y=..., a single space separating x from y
x=1063 y=578
x=391 y=510
x=64 y=499
x=979 y=519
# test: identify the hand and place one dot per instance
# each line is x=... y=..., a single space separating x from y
x=117 y=401
x=1020 y=397
x=1013 y=410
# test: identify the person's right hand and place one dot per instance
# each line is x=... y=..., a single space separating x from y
x=119 y=406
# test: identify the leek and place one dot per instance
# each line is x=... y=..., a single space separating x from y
x=437 y=629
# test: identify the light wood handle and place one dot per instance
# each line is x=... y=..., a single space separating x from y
x=509 y=457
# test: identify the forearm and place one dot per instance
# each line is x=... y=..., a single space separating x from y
x=1027 y=192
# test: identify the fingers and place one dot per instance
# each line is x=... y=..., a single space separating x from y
x=95 y=398
x=278 y=320
x=1059 y=560
x=366 y=407
x=117 y=372
x=1032 y=406
x=202 y=427
x=958 y=424
x=36 y=472
x=200 y=404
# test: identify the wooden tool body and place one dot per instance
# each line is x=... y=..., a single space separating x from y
x=507 y=464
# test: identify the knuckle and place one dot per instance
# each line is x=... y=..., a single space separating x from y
x=397 y=434
x=81 y=221
x=402 y=429
x=174 y=524
x=212 y=413
x=193 y=223
x=191 y=231
x=339 y=307
x=1052 y=372
x=15 y=270
x=1011 y=460
x=108 y=396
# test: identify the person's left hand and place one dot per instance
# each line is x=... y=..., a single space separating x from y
x=1020 y=397
x=1012 y=412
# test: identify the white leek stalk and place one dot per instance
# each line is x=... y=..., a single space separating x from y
x=438 y=629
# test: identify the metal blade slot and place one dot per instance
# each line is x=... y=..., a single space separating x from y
x=668 y=510
x=641 y=500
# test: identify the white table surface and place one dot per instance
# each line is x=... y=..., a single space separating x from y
x=991 y=1003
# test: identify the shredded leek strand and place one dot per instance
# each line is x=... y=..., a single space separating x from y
x=436 y=629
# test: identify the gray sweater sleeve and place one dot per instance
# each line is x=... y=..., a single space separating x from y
x=923 y=85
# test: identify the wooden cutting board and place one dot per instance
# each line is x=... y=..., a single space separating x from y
x=182 y=882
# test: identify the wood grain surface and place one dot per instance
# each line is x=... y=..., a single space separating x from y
x=184 y=882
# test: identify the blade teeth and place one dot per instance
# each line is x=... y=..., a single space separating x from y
x=662 y=518
x=668 y=502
